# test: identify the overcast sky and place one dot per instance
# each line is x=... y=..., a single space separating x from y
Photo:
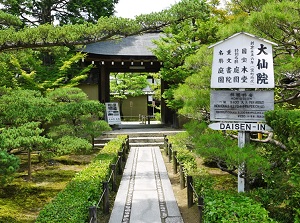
x=132 y=8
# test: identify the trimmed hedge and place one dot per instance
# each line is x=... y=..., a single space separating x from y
x=230 y=207
x=72 y=204
x=184 y=155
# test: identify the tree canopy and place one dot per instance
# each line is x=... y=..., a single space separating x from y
x=35 y=13
x=105 y=28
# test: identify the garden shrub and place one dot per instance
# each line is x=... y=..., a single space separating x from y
x=230 y=207
x=8 y=165
x=180 y=143
x=71 y=205
x=274 y=200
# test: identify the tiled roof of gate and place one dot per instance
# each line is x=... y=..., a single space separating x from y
x=138 y=45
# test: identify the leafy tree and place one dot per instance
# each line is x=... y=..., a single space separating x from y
x=77 y=114
x=181 y=40
x=123 y=84
x=54 y=125
x=285 y=158
x=25 y=69
x=25 y=138
x=194 y=93
x=23 y=112
x=64 y=12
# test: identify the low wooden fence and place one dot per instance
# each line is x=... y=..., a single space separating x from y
x=110 y=184
x=186 y=181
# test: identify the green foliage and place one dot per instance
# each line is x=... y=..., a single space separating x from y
x=21 y=106
x=215 y=146
x=285 y=124
x=185 y=156
x=7 y=20
x=23 y=137
x=131 y=84
x=35 y=13
x=229 y=207
x=67 y=95
x=194 y=92
x=70 y=144
x=59 y=123
x=41 y=71
x=96 y=128
x=71 y=205
x=105 y=28
x=182 y=40
x=274 y=200
x=289 y=135
x=9 y=164
x=203 y=182
x=75 y=114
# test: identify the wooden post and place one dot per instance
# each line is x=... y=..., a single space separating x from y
x=200 y=208
x=166 y=144
x=105 y=198
x=243 y=138
x=190 y=192
x=170 y=152
x=93 y=214
x=123 y=151
x=120 y=163
x=114 y=178
x=182 y=178
x=174 y=162
x=127 y=144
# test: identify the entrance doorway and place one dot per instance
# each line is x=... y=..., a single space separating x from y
x=128 y=55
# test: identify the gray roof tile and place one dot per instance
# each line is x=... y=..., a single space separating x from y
x=138 y=45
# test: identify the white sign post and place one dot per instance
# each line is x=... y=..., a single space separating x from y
x=242 y=61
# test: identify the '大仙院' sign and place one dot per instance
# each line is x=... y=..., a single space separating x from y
x=242 y=61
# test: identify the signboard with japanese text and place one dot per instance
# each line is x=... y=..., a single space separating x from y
x=242 y=61
x=240 y=105
x=112 y=113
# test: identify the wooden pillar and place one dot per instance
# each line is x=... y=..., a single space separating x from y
x=104 y=88
x=168 y=116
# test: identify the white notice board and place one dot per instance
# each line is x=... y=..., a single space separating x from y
x=242 y=61
x=113 y=113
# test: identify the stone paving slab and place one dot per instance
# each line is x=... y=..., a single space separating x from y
x=145 y=193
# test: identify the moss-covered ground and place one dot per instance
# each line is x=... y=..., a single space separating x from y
x=21 y=200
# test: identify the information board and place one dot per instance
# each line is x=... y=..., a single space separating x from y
x=245 y=106
x=112 y=113
x=242 y=61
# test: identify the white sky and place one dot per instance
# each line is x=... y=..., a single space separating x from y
x=132 y=8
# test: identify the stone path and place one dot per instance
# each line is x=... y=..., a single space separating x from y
x=145 y=194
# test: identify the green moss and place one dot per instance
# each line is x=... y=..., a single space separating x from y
x=21 y=201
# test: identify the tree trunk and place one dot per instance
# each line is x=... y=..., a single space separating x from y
x=29 y=165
